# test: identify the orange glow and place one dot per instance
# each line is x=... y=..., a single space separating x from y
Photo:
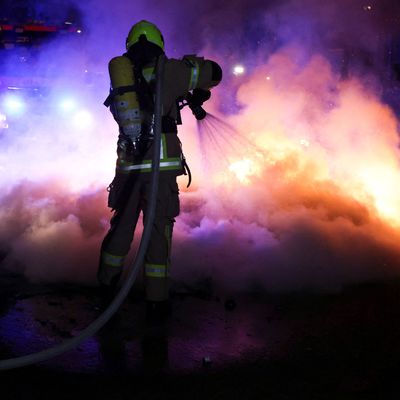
x=308 y=128
x=243 y=169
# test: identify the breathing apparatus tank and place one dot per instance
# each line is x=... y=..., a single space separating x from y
x=124 y=102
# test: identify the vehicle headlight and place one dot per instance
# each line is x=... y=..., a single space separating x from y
x=238 y=69
x=3 y=121
x=67 y=104
x=14 y=105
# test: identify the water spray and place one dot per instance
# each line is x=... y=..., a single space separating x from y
x=208 y=125
x=219 y=139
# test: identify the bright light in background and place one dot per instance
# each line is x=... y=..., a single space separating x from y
x=238 y=69
x=305 y=142
x=378 y=181
x=83 y=120
x=14 y=105
x=3 y=121
x=243 y=169
x=67 y=104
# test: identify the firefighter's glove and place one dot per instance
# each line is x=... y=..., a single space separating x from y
x=199 y=96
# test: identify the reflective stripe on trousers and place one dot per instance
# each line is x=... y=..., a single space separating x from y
x=156 y=270
x=161 y=270
x=111 y=259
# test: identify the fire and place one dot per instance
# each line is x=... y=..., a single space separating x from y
x=308 y=134
x=380 y=184
x=243 y=170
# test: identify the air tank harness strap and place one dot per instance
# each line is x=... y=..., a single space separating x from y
x=119 y=91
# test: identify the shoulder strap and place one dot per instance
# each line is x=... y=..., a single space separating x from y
x=143 y=90
x=119 y=91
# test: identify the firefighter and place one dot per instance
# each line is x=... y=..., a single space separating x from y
x=131 y=102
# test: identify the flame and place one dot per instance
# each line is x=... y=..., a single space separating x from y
x=311 y=135
x=380 y=183
x=243 y=170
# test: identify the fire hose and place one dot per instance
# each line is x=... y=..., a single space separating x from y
x=103 y=318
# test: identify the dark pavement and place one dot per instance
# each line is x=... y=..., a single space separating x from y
x=344 y=345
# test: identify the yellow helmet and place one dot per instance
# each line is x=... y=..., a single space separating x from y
x=147 y=29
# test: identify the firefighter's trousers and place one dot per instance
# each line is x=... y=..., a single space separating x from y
x=117 y=242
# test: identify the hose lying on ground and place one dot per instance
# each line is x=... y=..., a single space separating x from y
x=138 y=262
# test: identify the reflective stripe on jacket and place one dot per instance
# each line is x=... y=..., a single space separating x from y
x=170 y=158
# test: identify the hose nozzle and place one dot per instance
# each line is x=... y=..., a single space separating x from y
x=195 y=101
x=198 y=111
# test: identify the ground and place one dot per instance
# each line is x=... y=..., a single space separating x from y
x=342 y=345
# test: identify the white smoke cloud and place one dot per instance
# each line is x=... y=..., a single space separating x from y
x=301 y=193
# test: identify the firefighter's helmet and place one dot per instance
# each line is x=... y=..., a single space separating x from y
x=149 y=30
